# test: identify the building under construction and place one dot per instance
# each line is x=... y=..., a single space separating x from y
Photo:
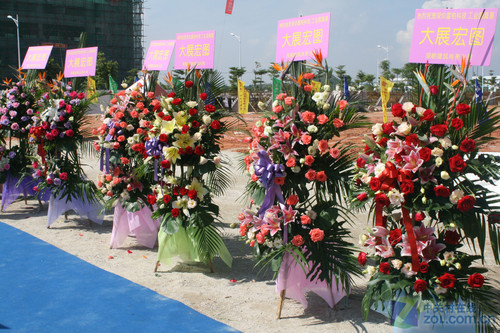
x=115 y=26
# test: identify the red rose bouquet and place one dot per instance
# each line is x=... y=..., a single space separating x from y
x=427 y=180
x=183 y=144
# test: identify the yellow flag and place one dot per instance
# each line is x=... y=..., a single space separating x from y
x=385 y=93
x=243 y=98
x=316 y=86
x=91 y=89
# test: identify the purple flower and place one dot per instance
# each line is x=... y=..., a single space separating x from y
x=12 y=97
x=68 y=125
x=24 y=118
x=57 y=181
x=23 y=95
x=14 y=126
x=12 y=114
x=15 y=105
x=426 y=175
x=27 y=103
x=29 y=112
x=12 y=154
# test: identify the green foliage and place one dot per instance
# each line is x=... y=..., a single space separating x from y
x=104 y=68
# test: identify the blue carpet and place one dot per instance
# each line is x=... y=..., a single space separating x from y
x=44 y=289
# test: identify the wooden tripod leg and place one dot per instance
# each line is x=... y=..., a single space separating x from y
x=90 y=223
x=66 y=216
x=280 y=305
x=40 y=203
x=157 y=265
x=210 y=265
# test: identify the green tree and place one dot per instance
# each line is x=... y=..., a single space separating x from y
x=258 y=73
x=385 y=67
x=103 y=70
x=52 y=69
x=234 y=74
x=131 y=76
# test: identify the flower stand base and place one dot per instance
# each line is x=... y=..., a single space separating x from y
x=407 y=317
x=82 y=206
x=179 y=244
x=140 y=224
x=293 y=283
x=11 y=192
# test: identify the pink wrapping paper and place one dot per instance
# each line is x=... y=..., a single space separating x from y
x=292 y=278
x=81 y=206
x=138 y=223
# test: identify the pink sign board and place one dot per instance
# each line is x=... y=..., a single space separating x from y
x=445 y=36
x=195 y=48
x=80 y=62
x=36 y=57
x=299 y=37
x=158 y=56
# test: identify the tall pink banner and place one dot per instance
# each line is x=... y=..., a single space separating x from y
x=36 y=57
x=195 y=48
x=158 y=56
x=299 y=37
x=445 y=36
x=80 y=62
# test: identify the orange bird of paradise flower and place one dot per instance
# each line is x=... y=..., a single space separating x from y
x=7 y=81
x=60 y=76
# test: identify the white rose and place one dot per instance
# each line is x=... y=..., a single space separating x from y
x=326 y=106
x=440 y=290
x=191 y=203
x=312 y=214
x=365 y=179
x=296 y=169
x=269 y=243
x=130 y=127
x=445 y=143
x=206 y=120
x=268 y=130
x=275 y=103
x=312 y=150
x=197 y=136
x=454 y=147
x=420 y=111
x=203 y=160
x=404 y=128
x=456 y=195
x=278 y=243
x=397 y=264
x=424 y=200
x=191 y=104
x=130 y=140
x=439 y=161
x=377 y=129
x=326 y=88
x=395 y=197
x=362 y=239
x=262 y=106
x=250 y=235
x=312 y=129
x=408 y=106
x=445 y=175
x=437 y=152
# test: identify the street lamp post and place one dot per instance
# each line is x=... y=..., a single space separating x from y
x=16 y=21
x=386 y=48
x=239 y=48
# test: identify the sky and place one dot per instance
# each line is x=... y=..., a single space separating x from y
x=357 y=27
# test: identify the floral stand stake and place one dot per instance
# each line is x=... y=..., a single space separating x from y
x=184 y=147
x=427 y=180
x=299 y=177
x=59 y=138
x=126 y=179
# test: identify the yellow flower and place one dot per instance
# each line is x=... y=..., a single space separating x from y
x=198 y=187
x=168 y=127
x=181 y=118
x=184 y=140
x=171 y=154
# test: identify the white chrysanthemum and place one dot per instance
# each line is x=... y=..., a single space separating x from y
x=191 y=104
x=312 y=129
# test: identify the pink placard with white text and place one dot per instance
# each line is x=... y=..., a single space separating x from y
x=445 y=36
x=36 y=57
x=80 y=62
x=299 y=37
x=195 y=48
x=158 y=56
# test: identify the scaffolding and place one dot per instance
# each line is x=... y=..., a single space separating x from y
x=115 y=26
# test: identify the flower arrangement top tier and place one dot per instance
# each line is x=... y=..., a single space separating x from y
x=184 y=139
x=122 y=141
x=429 y=185
x=58 y=132
x=299 y=177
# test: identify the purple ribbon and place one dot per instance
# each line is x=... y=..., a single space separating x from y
x=267 y=172
x=154 y=148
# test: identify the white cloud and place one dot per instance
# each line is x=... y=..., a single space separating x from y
x=403 y=37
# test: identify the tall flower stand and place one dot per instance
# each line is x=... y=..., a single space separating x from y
x=139 y=223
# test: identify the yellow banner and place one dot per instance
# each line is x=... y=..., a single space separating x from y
x=316 y=86
x=385 y=93
x=243 y=98
x=91 y=89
